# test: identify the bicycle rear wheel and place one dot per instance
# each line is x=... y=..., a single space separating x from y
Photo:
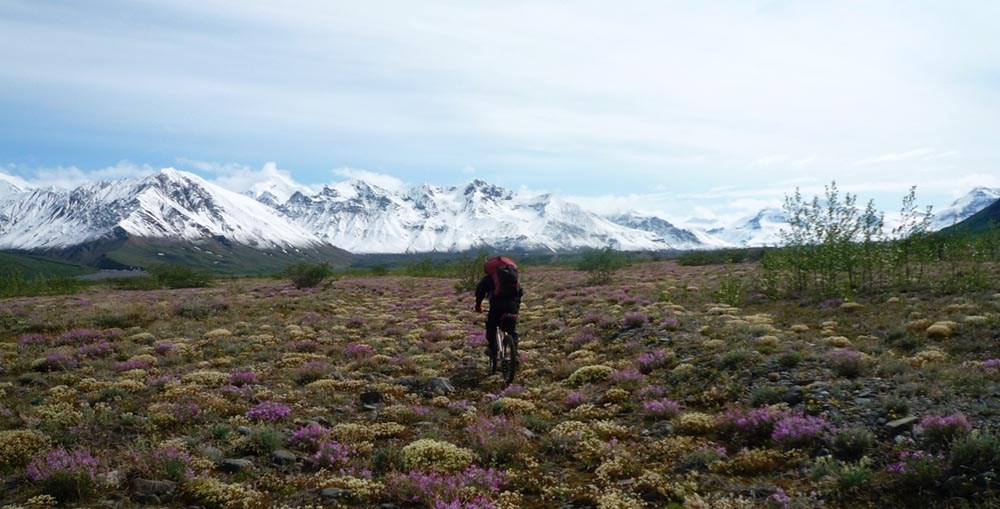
x=509 y=364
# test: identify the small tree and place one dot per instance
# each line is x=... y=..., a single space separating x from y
x=307 y=275
x=601 y=264
x=469 y=271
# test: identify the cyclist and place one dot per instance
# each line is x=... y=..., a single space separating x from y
x=504 y=290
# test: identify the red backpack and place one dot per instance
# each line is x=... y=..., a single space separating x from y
x=503 y=270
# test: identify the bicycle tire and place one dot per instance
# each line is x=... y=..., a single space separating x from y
x=510 y=361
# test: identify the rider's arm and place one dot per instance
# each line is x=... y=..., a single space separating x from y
x=483 y=289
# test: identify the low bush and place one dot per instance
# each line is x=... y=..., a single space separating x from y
x=307 y=275
x=177 y=276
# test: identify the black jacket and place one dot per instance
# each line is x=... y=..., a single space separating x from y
x=485 y=289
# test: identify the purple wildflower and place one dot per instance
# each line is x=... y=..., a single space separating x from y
x=331 y=454
x=94 y=350
x=469 y=488
x=162 y=347
x=309 y=437
x=243 y=377
x=795 y=430
x=31 y=339
x=133 y=364
x=78 y=337
x=575 y=399
x=58 y=360
x=648 y=361
x=937 y=431
x=635 y=319
x=60 y=461
x=584 y=336
x=661 y=408
x=358 y=350
x=651 y=391
x=269 y=411
x=627 y=376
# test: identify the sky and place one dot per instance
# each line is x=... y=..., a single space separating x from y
x=709 y=109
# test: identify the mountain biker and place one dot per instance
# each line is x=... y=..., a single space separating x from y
x=505 y=302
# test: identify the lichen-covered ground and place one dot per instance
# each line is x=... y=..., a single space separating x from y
x=373 y=392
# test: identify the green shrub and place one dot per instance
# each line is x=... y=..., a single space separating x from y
x=469 y=271
x=264 y=441
x=139 y=283
x=122 y=321
x=852 y=444
x=307 y=275
x=731 y=291
x=735 y=359
x=720 y=257
x=790 y=360
x=177 y=276
x=977 y=453
x=765 y=395
x=601 y=264
x=16 y=285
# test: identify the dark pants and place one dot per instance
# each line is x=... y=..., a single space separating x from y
x=499 y=308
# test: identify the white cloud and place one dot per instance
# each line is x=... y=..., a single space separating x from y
x=241 y=178
x=71 y=176
x=892 y=157
x=379 y=179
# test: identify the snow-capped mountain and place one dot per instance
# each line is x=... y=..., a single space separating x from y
x=10 y=185
x=674 y=236
x=761 y=229
x=964 y=207
x=365 y=218
x=282 y=217
x=170 y=205
x=275 y=190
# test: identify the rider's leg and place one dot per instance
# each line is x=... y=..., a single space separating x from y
x=492 y=339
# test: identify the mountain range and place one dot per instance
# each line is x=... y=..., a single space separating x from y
x=175 y=216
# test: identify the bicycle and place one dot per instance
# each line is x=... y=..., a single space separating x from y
x=507 y=356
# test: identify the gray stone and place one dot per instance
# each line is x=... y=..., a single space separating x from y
x=440 y=385
x=901 y=424
x=369 y=408
x=244 y=430
x=371 y=398
x=152 y=492
x=283 y=457
x=334 y=493
x=659 y=429
x=409 y=382
x=792 y=396
x=235 y=465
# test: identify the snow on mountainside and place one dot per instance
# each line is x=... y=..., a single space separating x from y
x=10 y=185
x=360 y=216
x=964 y=207
x=675 y=237
x=365 y=218
x=761 y=229
x=166 y=205
x=276 y=190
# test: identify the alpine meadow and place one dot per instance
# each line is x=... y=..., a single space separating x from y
x=534 y=254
